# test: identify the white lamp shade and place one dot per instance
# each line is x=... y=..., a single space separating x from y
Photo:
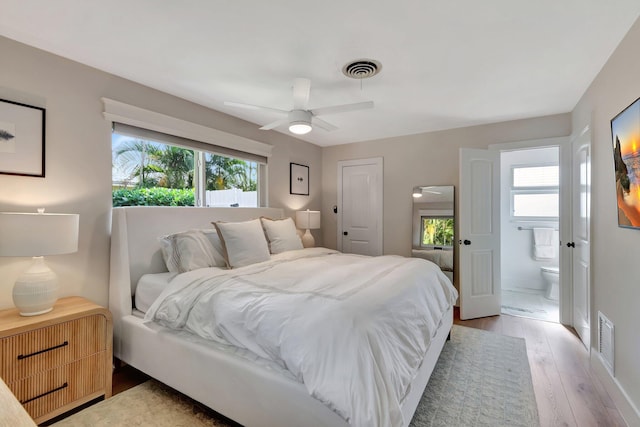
x=308 y=220
x=38 y=234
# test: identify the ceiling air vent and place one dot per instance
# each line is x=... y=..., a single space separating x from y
x=362 y=69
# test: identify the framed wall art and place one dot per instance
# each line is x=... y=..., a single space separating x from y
x=22 y=129
x=299 y=179
x=625 y=135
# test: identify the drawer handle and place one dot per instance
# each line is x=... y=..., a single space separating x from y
x=63 y=386
x=24 y=356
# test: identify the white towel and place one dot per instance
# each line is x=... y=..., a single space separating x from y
x=543 y=247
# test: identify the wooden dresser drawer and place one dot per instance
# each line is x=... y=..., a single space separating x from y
x=42 y=349
x=57 y=388
x=59 y=360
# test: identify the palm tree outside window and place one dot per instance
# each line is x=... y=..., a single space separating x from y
x=436 y=232
x=153 y=173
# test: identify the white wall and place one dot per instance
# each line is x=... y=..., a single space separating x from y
x=518 y=267
x=615 y=275
x=78 y=158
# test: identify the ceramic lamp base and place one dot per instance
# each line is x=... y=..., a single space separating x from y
x=36 y=290
x=307 y=239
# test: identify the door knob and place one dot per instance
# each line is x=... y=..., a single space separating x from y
x=345 y=233
x=465 y=242
x=571 y=245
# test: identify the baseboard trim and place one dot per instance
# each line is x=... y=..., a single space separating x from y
x=627 y=409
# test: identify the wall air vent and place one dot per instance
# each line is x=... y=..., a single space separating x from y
x=605 y=342
x=362 y=69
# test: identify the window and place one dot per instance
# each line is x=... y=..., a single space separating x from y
x=535 y=192
x=230 y=182
x=436 y=231
x=152 y=173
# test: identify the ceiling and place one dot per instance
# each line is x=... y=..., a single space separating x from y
x=445 y=64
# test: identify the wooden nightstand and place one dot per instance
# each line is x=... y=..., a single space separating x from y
x=58 y=360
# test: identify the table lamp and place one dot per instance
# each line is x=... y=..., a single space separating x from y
x=36 y=235
x=308 y=220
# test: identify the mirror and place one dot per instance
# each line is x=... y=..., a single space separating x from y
x=433 y=225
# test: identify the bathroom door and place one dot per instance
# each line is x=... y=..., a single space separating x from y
x=581 y=235
x=479 y=231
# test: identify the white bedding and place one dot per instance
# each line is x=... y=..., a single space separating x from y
x=149 y=288
x=352 y=329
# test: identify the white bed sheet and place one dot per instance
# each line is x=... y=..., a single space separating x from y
x=347 y=363
x=149 y=288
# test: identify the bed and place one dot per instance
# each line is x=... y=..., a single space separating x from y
x=443 y=258
x=238 y=384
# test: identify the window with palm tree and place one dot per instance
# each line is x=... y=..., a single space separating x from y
x=437 y=231
x=223 y=173
x=156 y=174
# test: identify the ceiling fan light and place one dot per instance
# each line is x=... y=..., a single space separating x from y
x=299 y=128
x=299 y=121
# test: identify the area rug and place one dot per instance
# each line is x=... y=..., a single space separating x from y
x=481 y=379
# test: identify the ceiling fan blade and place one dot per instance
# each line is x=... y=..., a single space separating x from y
x=427 y=189
x=301 y=89
x=342 y=108
x=253 y=107
x=324 y=125
x=275 y=124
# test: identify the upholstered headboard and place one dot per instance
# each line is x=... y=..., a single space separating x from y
x=135 y=248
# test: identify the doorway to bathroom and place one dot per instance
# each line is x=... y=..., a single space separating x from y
x=529 y=232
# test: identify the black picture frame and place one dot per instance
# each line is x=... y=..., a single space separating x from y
x=298 y=179
x=625 y=131
x=22 y=139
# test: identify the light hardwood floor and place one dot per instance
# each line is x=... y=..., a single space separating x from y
x=567 y=392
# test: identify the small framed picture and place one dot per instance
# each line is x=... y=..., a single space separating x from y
x=21 y=139
x=299 y=183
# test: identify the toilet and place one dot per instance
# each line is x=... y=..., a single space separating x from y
x=551 y=276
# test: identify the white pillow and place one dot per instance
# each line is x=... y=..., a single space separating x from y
x=244 y=242
x=192 y=249
x=281 y=235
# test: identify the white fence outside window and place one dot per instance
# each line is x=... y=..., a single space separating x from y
x=233 y=197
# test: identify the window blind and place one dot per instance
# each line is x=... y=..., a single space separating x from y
x=151 y=135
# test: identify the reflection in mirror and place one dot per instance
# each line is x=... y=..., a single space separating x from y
x=433 y=225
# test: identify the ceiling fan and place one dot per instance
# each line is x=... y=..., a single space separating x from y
x=419 y=191
x=300 y=119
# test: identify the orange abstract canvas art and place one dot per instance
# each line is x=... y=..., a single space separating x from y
x=625 y=133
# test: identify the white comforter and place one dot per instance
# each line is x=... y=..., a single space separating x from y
x=352 y=329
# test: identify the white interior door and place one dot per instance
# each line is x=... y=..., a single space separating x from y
x=479 y=233
x=580 y=243
x=360 y=206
